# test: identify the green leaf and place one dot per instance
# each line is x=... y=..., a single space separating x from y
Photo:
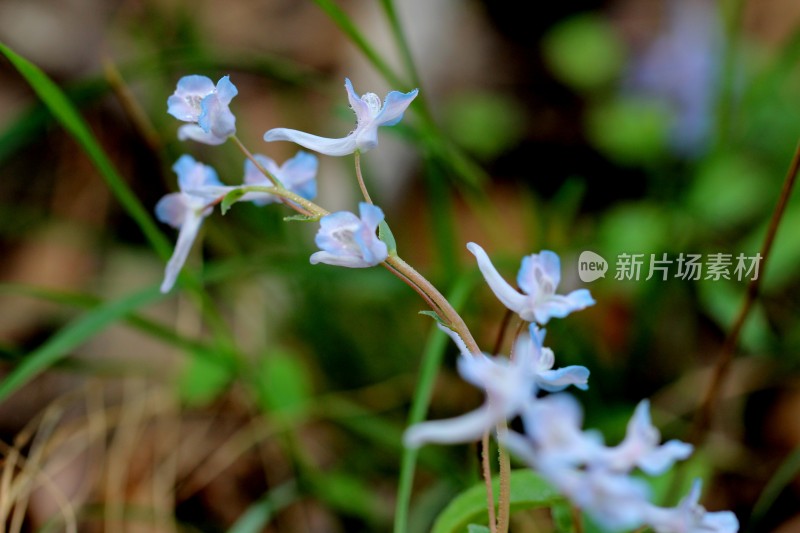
x=475 y=528
x=59 y=345
x=64 y=111
x=204 y=380
x=584 y=52
x=484 y=123
x=434 y=316
x=528 y=491
x=283 y=382
x=385 y=234
x=231 y=198
x=630 y=131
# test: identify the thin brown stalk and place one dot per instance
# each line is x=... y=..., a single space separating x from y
x=723 y=363
x=486 y=471
x=361 y=178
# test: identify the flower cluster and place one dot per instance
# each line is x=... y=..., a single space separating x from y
x=599 y=479
x=595 y=477
x=344 y=239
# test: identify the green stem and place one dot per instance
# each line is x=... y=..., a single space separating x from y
x=431 y=361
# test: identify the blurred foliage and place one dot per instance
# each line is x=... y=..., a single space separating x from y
x=311 y=370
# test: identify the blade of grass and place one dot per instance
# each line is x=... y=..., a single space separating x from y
x=345 y=23
x=90 y=302
x=431 y=361
x=259 y=514
x=59 y=345
x=65 y=112
x=782 y=477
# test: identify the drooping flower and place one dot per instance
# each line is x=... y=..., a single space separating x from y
x=691 y=517
x=538 y=278
x=297 y=174
x=349 y=241
x=205 y=106
x=508 y=384
x=597 y=478
x=543 y=360
x=370 y=112
x=641 y=446
x=185 y=210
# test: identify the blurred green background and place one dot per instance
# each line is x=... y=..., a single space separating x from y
x=269 y=394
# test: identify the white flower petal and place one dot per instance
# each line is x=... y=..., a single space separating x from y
x=465 y=428
x=323 y=145
x=504 y=292
x=186 y=236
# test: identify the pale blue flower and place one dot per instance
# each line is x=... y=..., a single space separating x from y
x=185 y=210
x=508 y=384
x=197 y=100
x=543 y=360
x=297 y=174
x=691 y=517
x=370 y=112
x=538 y=278
x=641 y=446
x=349 y=241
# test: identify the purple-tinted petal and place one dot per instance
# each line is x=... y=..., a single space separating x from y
x=558 y=306
x=188 y=232
x=253 y=176
x=661 y=458
x=194 y=175
x=184 y=104
x=504 y=292
x=183 y=109
x=195 y=133
x=323 y=145
x=226 y=90
x=558 y=380
x=360 y=107
x=194 y=85
x=299 y=174
x=394 y=106
x=372 y=215
x=366 y=136
x=551 y=266
x=350 y=261
x=216 y=117
x=172 y=209
x=465 y=428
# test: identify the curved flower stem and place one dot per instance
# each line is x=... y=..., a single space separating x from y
x=504 y=501
x=704 y=416
x=270 y=176
x=361 y=178
x=308 y=206
x=446 y=312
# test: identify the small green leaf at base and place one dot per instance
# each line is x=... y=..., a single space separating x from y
x=528 y=491
x=385 y=235
x=475 y=528
x=231 y=198
x=433 y=315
